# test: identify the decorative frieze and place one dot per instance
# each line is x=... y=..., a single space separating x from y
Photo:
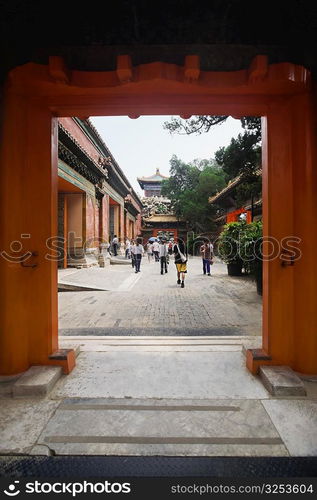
x=73 y=161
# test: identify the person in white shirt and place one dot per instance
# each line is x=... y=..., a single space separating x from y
x=156 y=249
x=127 y=248
x=138 y=252
x=163 y=254
x=115 y=243
x=149 y=251
x=132 y=253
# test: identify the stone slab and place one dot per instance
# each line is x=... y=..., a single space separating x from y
x=236 y=340
x=92 y=279
x=148 y=344
x=69 y=287
x=296 y=422
x=282 y=381
x=114 y=261
x=21 y=422
x=164 y=427
x=36 y=381
x=41 y=450
x=159 y=348
x=161 y=375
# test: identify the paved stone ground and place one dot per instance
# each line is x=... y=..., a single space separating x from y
x=130 y=402
x=156 y=396
x=150 y=304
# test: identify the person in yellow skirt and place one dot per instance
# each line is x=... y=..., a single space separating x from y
x=180 y=259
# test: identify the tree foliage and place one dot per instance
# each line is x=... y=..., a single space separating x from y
x=189 y=187
x=241 y=157
x=194 y=125
x=200 y=124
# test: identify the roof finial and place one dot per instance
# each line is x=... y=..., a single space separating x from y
x=157 y=171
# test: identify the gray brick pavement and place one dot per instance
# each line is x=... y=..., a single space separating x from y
x=152 y=304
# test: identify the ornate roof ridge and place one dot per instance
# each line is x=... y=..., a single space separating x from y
x=89 y=122
x=152 y=177
x=78 y=144
x=231 y=184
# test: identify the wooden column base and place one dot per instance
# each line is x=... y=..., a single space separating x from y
x=65 y=358
x=257 y=358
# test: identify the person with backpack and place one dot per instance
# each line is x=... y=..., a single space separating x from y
x=180 y=259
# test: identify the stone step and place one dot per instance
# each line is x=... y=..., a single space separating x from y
x=156 y=344
x=160 y=340
x=198 y=427
x=157 y=348
x=282 y=381
x=120 y=261
x=71 y=287
x=36 y=381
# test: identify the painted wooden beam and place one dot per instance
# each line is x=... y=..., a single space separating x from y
x=58 y=70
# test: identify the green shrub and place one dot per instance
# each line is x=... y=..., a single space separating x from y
x=229 y=242
x=250 y=247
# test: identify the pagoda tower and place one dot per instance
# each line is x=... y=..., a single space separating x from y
x=152 y=185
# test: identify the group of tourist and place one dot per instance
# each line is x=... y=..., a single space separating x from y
x=160 y=250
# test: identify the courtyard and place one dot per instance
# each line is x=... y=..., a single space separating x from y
x=124 y=303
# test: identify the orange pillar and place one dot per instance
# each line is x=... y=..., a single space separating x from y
x=28 y=315
x=289 y=188
x=121 y=234
x=305 y=195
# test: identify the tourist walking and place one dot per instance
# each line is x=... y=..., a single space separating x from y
x=149 y=251
x=108 y=247
x=127 y=249
x=115 y=244
x=163 y=254
x=206 y=252
x=180 y=259
x=138 y=252
x=170 y=247
x=156 y=250
x=132 y=253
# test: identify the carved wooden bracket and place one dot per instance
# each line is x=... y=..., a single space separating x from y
x=58 y=70
x=258 y=69
x=124 y=68
x=192 y=68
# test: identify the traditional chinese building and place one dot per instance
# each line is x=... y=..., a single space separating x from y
x=152 y=185
x=158 y=219
x=95 y=199
x=229 y=205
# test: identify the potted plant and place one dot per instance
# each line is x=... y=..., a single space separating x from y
x=229 y=247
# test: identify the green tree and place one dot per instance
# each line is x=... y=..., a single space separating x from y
x=242 y=156
x=194 y=125
x=189 y=187
x=200 y=124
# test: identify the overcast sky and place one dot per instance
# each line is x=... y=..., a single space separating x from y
x=142 y=145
